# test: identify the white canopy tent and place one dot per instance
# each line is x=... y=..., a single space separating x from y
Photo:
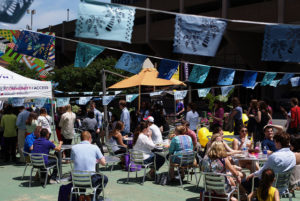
x=13 y=85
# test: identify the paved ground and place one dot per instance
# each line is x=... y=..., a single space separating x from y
x=13 y=188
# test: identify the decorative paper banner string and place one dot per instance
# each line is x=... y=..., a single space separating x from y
x=160 y=58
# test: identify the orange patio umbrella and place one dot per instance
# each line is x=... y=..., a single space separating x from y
x=147 y=77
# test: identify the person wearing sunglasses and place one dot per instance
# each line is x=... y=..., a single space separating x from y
x=242 y=140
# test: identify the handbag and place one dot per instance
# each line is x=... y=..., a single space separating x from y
x=134 y=167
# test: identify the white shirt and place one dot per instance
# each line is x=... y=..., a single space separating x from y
x=144 y=144
x=125 y=118
x=280 y=161
x=67 y=124
x=193 y=119
x=156 y=134
x=45 y=122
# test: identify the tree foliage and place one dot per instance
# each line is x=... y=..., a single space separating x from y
x=22 y=69
x=87 y=79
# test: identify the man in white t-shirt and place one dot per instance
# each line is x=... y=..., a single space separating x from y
x=156 y=133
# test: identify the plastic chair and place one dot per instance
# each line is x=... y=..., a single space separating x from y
x=38 y=162
x=137 y=158
x=83 y=180
x=186 y=161
x=216 y=182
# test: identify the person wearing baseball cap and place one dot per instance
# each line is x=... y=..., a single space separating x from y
x=268 y=142
x=156 y=133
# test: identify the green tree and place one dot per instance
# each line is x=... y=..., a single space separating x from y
x=87 y=79
x=22 y=69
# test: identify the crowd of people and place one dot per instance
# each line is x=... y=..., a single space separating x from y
x=29 y=131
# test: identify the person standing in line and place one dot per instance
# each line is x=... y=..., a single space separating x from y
x=192 y=117
x=252 y=123
x=31 y=123
x=236 y=115
x=98 y=116
x=44 y=120
x=125 y=117
x=21 y=124
x=8 y=123
x=218 y=114
x=179 y=109
x=295 y=116
x=262 y=118
x=66 y=123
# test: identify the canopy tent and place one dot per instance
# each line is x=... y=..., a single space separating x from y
x=13 y=85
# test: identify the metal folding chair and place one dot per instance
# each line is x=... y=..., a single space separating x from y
x=137 y=158
x=112 y=158
x=28 y=163
x=186 y=161
x=216 y=183
x=38 y=162
x=282 y=184
x=83 y=180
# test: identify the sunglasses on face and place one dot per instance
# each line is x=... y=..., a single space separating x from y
x=244 y=131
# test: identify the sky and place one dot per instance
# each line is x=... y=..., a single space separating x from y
x=48 y=12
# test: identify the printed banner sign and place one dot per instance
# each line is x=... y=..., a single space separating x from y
x=40 y=102
x=202 y=93
x=61 y=102
x=107 y=99
x=186 y=71
x=268 y=78
x=34 y=44
x=252 y=87
x=281 y=43
x=167 y=68
x=199 y=74
x=249 y=79
x=226 y=77
x=88 y=93
x=225 y=90
x=105 y=22
x=132 y=63
x=286 y=78
x=131 y=97
x=180 y=95
x=198 y=35
x=117 y=92
x=86 y=53
x=84 y=100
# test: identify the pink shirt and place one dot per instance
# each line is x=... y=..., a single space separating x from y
x=193 y=135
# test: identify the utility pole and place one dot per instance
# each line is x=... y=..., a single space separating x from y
x=31 y=12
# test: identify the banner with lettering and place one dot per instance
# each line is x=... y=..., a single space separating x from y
x=156 y=93
x=105 y=22
x=198 y=35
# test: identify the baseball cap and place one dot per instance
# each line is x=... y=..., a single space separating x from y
x=149 y=119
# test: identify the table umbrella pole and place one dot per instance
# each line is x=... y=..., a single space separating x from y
x=139 y=97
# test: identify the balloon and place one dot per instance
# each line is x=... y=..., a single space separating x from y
x=203 y=133
x=245 y=119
